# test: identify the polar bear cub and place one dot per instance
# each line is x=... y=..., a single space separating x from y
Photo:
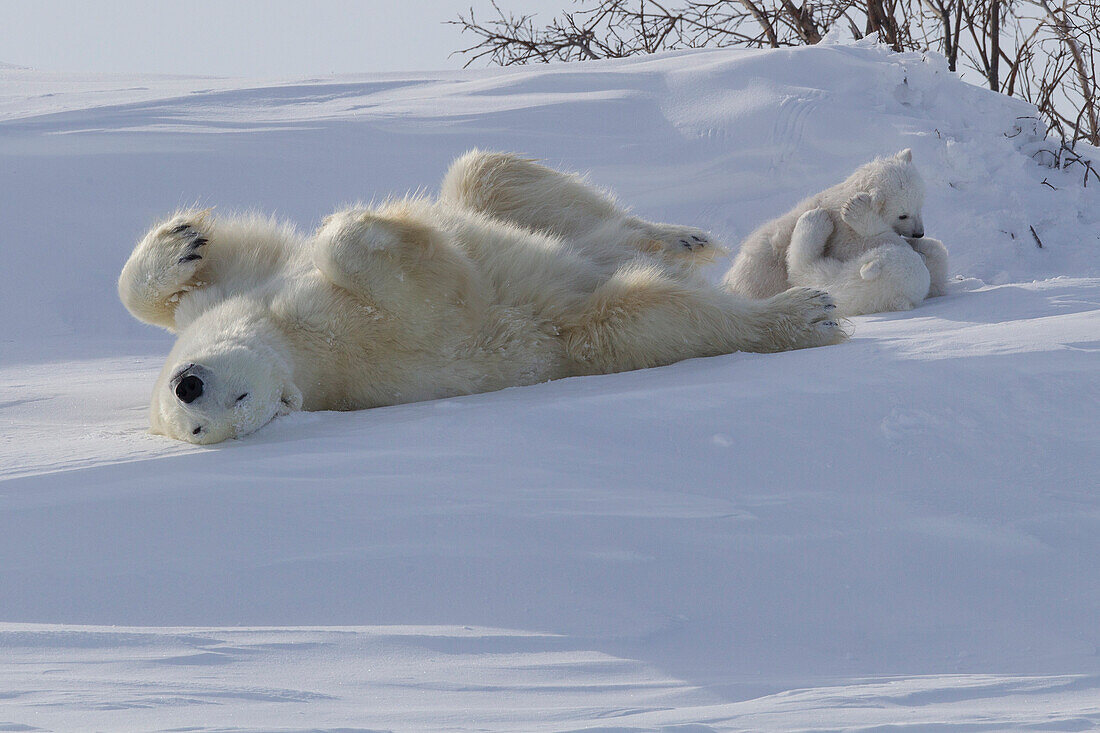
x=890 y=276
x=879 y=203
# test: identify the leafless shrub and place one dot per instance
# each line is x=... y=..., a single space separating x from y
x=1044 y=51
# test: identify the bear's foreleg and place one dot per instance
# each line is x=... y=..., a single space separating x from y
x=170 y=261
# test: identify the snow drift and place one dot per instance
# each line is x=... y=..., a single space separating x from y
x=898 y=531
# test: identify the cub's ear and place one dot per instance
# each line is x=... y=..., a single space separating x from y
x=905 y=156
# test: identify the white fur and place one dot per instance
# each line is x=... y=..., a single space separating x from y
x=890 y=276
x=879 y=203
x=522 y=192
x=418 y=299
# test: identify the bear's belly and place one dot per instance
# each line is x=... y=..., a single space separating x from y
x=350 y=354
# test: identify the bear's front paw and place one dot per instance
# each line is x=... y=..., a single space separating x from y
x=170 y=260
x=188 y=241
x=174 y=253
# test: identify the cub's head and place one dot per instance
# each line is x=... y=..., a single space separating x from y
x=212 y=389
x=896 y=193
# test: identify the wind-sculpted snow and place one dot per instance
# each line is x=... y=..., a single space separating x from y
x=899 y=532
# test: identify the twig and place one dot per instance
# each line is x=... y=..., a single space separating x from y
x=1037 y=240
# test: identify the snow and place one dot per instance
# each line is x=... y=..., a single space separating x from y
x=900 y=532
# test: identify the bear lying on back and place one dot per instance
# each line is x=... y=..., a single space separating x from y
x=516 y=275
x=879 y=205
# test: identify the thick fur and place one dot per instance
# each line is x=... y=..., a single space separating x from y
x=880 y=202
x=522 y=192
x=890 y=276
x=418 y=299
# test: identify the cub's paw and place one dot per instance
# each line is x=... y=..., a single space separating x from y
x=815 y=224
x=861 y=214
x=808 y=240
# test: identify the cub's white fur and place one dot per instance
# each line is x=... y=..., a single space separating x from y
x=879 y=203
x=417 y=299
x=890 y=276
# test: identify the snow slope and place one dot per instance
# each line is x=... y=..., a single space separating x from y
x=900 y=532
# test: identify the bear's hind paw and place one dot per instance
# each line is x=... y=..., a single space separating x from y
x=679 y=242
x=804 y=317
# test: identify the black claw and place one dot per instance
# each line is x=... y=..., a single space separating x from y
x=180 y=228
x=198 y=242
x=830 y=306
x=830 y=323
x=188 y=258
x=685 y=243
x=697 y=239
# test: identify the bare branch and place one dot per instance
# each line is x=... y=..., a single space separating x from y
x=1044 y=51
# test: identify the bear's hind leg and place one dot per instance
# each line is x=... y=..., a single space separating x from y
x=522 y=192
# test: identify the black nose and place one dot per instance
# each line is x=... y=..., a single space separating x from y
x=189 y=389
x=918 y=234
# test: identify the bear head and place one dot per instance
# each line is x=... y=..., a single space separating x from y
x=890 y=197
x=222 y=380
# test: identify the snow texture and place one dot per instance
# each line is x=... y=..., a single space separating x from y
x=898 y=533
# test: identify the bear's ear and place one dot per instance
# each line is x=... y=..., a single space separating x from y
x=905 y=156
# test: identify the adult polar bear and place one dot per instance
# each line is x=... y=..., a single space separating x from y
x=851 y=239
x=419 y=299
